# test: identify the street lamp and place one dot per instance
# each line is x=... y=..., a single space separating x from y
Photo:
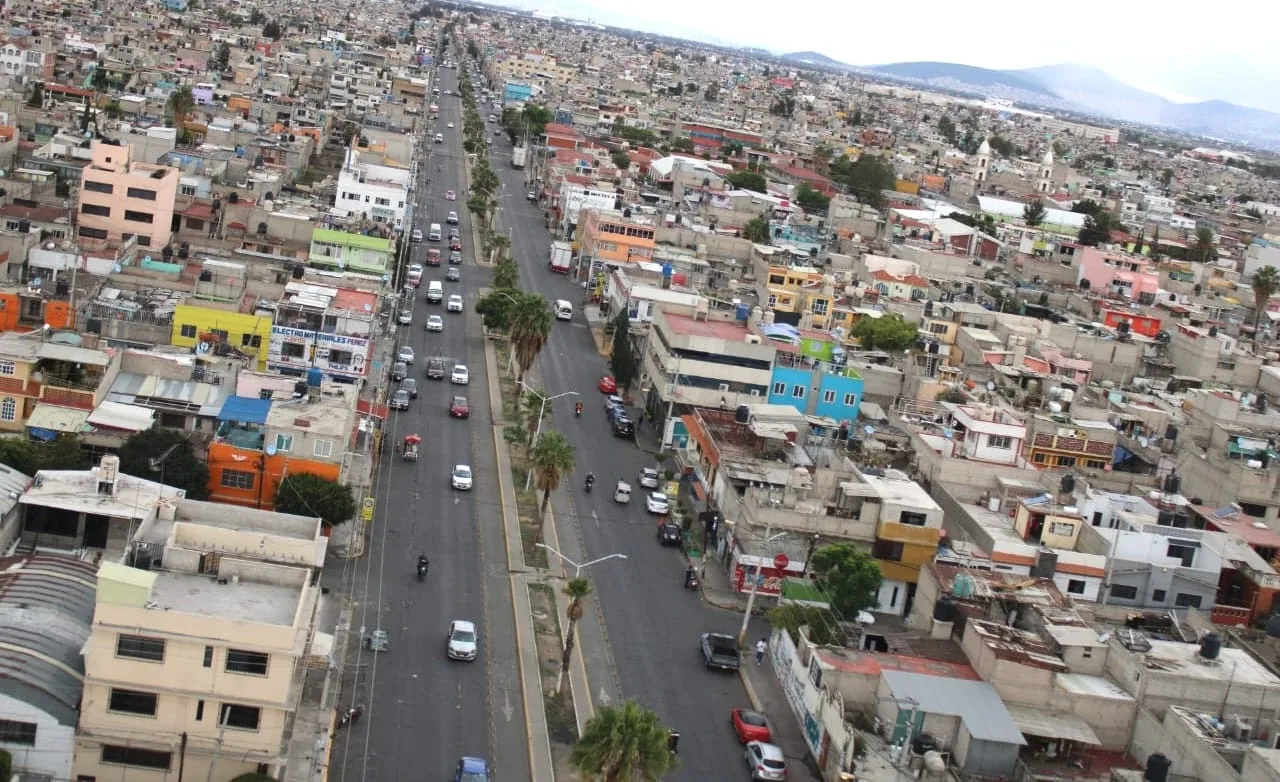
x=577 y=569
x=542 y=409
x=755 y=584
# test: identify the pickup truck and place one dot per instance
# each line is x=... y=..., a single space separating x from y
x=720 y=651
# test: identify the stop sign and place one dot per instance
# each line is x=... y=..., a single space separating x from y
x=781 y=561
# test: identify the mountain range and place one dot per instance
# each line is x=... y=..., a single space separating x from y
x=1076 y=88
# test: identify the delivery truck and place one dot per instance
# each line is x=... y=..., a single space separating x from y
x=561 y=255
x=517 y=157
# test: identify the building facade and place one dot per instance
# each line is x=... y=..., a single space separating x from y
x=372 y=192
x=194 y=326
x=344 y=251
x=121 y=198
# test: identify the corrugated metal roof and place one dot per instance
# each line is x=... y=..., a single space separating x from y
x=977 y=704
x=117 y=415
x=46 y=610
x=161 y=393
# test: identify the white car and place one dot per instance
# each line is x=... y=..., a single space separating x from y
x=649 y=478
x=452 y=219
x=405 y=317
x=436 y=323
x=461 y=375
x=657 y=503
x=449 y=126
x=463 y=642
x=405 y=354
x=455 y=303
x=461 y=477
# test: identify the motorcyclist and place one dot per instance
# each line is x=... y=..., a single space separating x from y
x=591 y=479
x=423 y=563
x=577 y=409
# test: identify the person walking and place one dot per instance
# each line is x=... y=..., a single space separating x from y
x=761 y=646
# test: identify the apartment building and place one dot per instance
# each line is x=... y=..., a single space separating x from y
x=324 y=328
x=607 y=237
x=811 y=373
x=35 y=374
x=200 y=640
x=1062 y=441
x=201 y=327
x=369 y=191
x=343 y=251
x=121 y=198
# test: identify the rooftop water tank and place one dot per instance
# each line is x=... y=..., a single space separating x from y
x=1157 y=768
x=1210 y=646
x=945 y=609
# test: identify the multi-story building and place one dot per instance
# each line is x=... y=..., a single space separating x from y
x=121 y=198
x=201 y=637
x=981 y=433
x=575 y=198
x=36 y=374
x=1065 y=442
x=1124 y=277
x=372 y=192
x=607 y=237
x=318 y=327
x=810 y=373
x=535 y=65
x=345 y=251
x=201 y=328
x=706 y=135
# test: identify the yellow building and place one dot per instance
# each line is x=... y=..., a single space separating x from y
x=199 y=666
x=801 y=289
x=248 y=333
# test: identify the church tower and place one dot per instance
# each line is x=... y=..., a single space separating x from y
x=984 y=160
x=1046 y=172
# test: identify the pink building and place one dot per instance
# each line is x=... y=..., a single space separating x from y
x=120 y=198
x=1128 y=277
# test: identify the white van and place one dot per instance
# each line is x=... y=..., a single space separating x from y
x=434 y=233
x=562 y=309
x=435 y=291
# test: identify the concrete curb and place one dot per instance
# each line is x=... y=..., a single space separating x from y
x=750 y=688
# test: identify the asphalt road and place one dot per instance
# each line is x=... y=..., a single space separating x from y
x=424 y=711
x=648 y=644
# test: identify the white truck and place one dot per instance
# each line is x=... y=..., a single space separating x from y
x=517 y=157
x=561 y=255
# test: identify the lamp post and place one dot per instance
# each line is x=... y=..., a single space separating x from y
x=542 y=409
x=755 y=584
x=572 y=620
x=577 y=569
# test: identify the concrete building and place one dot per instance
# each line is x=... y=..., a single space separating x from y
x=200 y=644
x=372 y=192
x=325 y=328
x=607 y=237
x=36 y=374
x=340 y=250
x=121 y=198
x=46 y=608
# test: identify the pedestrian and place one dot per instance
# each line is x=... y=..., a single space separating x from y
x=641 y=420
x=761 y=646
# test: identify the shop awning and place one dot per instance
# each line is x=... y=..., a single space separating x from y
x=1052 y=725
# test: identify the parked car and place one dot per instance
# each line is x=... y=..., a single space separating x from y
x=405 y=354
x=459 y=408
x=624 y=427
x=460 y=375
x=720 y=651
x=435 y=323
x=435 y=368
x=750 y=726
x=416 y=235
x=531 y=195
x=669 y=534
x=399 y=371
x=399 y=400
x=461 y=477
x=766 y=762
x=657 y=503
x=410 y=385
x=455 y=303
x=613 y=400
x=472 y=770
x=462 y=644
x=649 y=477
x=405 y=317
x=608 y=385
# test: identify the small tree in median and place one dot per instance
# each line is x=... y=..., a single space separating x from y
x=550 y=459
x=626 y=743
x=576 y=590
x=305 y=494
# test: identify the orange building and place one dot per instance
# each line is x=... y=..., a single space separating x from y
x=22 y=309
x=607 y=236
x=244 y=476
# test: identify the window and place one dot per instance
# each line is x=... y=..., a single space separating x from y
x=140 y=647
x=92 y=233
x=98 y=187
x=1075 y=586
x=999 y=441
x=95 y=209
x=142 y=193
x=236 y=479
x=779 y=388
x=887 y=550
x=8 y=409
x=828 y=396
x=820 y=307
x=284 y=443
x=188 y=190
x=1159 y=596
x=242 y=717
x=240 y=661
x=1066 y=461
x=1063 y=529
x=1097 y=518
x=797 y=392
x=208 y=657
x=1124 y=592
x=1183 y=551
x=250 y=340
x=188 y=331
x=293 y=350
x=8 y=367
x=324 y=448
x=132 y=756
x=1183 y=600
x=132 y=702
x=199 y=711
x=138 y=217
x=850 y=400
x=144 y=241
x=14 y=732
x=1039 y=457
x=938 y=327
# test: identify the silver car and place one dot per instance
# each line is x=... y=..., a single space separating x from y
x=649 y=478
x=399 y=400
x=405 y=354
x=463 y=644
x=766 y=762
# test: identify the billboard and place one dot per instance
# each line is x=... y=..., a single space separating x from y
x=333 y=354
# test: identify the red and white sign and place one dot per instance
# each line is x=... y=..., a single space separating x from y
x=781 y=561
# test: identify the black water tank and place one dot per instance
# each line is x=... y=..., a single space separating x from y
x=1046 y=564
x=1157 y=768
x=1172 y=483
x=1210 y=646
x=923 y=743
x=928 y=308
x=297 y=272
x=945 y=609
x=743 y=415
x=1273 y=625
x=1171 y=432
x=1068 y=483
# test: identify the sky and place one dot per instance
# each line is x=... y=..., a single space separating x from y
x=1137 y=43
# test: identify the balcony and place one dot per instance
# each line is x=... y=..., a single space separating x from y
x=797 y=361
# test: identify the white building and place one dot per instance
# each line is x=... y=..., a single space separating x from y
x=20 y=63
x=46 y=610
x=372 y=192
x=574 y=198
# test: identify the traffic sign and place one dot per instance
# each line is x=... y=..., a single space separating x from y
x=781 y=561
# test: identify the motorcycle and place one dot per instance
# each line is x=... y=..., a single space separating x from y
x=422 y=569
x=589 y=483
x=577 y=410
x=351 y=715
x=691 y=579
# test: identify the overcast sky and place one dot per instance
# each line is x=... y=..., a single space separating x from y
x=1174 y=54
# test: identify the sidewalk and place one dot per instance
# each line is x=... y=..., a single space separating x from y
x=766 y=696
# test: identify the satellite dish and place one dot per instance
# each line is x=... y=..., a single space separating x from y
x=270 y=449
x=116 y=268
x=991 y=385
x=368 y=307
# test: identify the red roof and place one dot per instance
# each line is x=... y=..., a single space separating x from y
x=906 y=279
x=198 y=211
x=556 y=129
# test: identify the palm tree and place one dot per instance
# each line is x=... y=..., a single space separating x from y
x=551 y=459
x=1266 y=281
x=483 y=181
x=181 y=104
x=506 y=274
x=1204 y=247
x=576 y=590
x=531 y=324
x=624 y=743
x=478 y=205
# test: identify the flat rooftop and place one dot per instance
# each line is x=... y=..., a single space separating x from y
x=328 y=415
x=244 y=601
x=1234 y=665
x=77 y=490
x=721 y=329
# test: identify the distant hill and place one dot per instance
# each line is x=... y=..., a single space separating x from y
x=945 y=72
x=815 y=60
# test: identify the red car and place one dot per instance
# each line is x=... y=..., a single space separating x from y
x=455 y=244
x=459 y=408
x=607 y=385
x=750 y=726
x=433 y=256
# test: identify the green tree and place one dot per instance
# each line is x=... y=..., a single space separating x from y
x=1204 y=249
x=157 y=454
x=1086 y=206
x=496 y=309
x=849 y=576
x=868 y=177
x=711 y=93
x=272 y=30
x=622 y=360
x=622 y=160
x=1166 y=177
x=1096 y=229
x=811 y=200
x=6 y=765
x=478 y=205
x=180 y=105
x=682 y=144
x=473 y=51
x=1265 y=283
x=221 y=57
x=824 y=626
x=305 y=494
x=748 y=180
x=946 y=128
x=256 y=17
x=36 y=99
x=551 y=459
x=626 y=743
x=64 y=453
x=756 y=230
x=1033 y=213
x=99 y=76
x=20 y=455
x=889 y=332
x=577 y=591
x=506 y=274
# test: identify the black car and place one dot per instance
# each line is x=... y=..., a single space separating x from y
x=669 y=534
x=435 y=369
x=624 y=427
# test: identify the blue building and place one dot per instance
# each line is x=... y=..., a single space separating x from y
x=514 y=92
x=811 y=375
